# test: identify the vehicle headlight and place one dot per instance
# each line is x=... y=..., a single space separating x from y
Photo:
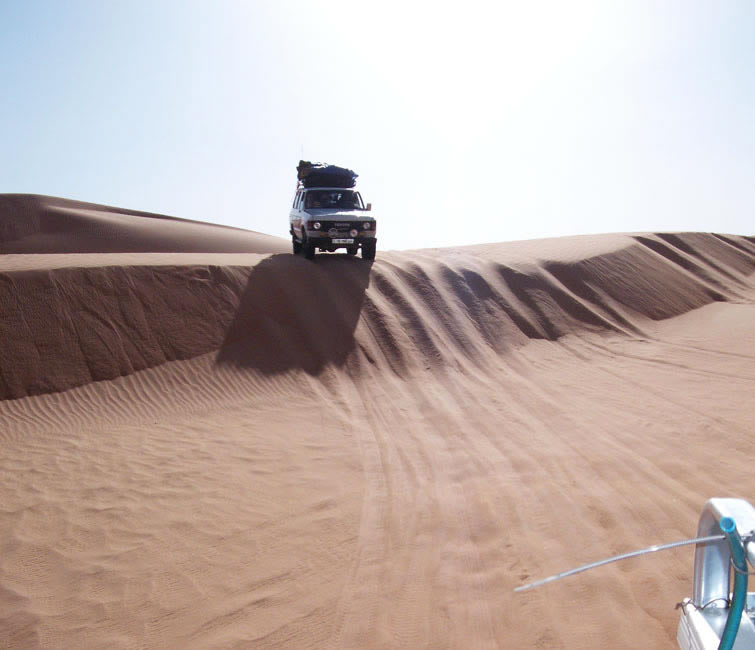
x=317 y=225
x=354 y=232
x=366 y=225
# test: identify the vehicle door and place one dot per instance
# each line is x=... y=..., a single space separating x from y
x=296 y=215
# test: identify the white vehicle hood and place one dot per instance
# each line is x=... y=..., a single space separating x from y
x=341 y=215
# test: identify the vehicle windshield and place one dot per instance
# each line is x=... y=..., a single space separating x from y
x=339 y=199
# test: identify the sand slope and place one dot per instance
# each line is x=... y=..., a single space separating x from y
x=236 y=451
x=31 y=223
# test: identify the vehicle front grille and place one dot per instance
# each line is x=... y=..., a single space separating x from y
x=340 y=228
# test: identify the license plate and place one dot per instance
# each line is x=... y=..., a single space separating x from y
x=343 y=241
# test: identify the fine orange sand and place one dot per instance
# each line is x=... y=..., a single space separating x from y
x=206 y=441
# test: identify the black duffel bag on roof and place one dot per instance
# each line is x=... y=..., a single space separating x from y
x=324 y=175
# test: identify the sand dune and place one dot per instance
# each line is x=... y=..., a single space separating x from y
x=46 y=224
x=216 y=450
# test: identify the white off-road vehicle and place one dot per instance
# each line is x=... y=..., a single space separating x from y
x=329 y=218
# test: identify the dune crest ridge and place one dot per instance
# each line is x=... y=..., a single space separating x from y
x=65 y=327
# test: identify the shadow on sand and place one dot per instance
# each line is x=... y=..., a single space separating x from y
x=297 y=314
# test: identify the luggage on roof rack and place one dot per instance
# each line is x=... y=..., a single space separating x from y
x=324 y=175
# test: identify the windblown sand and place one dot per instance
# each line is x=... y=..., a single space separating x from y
x=206 y=441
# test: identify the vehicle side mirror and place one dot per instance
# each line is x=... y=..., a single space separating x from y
x=369 y=207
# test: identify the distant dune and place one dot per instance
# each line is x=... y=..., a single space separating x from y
x=44 y=224
x=209 y=442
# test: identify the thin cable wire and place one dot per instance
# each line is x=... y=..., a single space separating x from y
x=689 y=602
x=623 y=556
x=739 y=571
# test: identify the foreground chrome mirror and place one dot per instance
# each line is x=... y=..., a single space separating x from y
x=369 y=206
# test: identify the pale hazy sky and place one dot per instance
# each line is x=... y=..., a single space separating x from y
x=467 y=121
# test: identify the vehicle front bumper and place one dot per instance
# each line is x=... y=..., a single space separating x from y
x=339 y=239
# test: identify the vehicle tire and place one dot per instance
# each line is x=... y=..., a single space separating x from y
x=309 y=249
x=297 y=245
x=368 y=250
x=352 y=250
